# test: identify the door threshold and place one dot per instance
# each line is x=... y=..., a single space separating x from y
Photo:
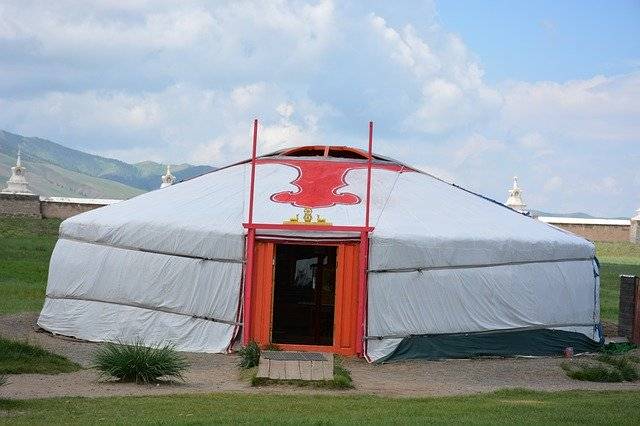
x=303 y=348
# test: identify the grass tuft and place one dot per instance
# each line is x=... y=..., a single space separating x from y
x=617 y=348
x=623 y=364
x=23 y=358
x=605 y=368
x=341 y=376
x=3 y=380
x=139 y=363
x=249 y=355
x=592 y=372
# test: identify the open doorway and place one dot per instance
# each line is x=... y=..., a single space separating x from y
x=304 y=294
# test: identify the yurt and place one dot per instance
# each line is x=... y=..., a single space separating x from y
x=323 y=248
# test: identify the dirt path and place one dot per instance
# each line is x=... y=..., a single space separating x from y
x=218 y=373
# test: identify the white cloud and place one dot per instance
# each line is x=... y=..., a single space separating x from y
x=474 y=148
x=599 y=108
x=178 y=121
x=552 y=184
x=608 y=185
x=63 y=29
x=453 y=92
x=535 y=143
x=183 y=80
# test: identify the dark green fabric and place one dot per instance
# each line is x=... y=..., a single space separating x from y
x=499 y=343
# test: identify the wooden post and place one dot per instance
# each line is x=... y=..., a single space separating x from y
x=629 y=308
x=364 y=257
x=251 y=237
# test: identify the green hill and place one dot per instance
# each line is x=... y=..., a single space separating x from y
x=55 y=170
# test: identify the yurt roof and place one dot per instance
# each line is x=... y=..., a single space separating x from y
x=419 y=220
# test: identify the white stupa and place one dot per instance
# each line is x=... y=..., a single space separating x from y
x=17 y=183
x=515 y=198
x=167 y=179
x=634 y=234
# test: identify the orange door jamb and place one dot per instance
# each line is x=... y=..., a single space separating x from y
x=346 y=299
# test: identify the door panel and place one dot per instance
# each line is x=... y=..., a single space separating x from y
x=346 y=300
x=262 y=293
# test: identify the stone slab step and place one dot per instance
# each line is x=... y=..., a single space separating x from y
x=282 y=365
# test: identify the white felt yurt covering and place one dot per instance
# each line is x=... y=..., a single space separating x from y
x=167 y=266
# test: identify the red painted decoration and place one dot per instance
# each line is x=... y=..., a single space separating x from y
x=319 y=181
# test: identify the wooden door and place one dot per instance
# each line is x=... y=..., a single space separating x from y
x=262 y=293
x=346 y=315
x=346 y=303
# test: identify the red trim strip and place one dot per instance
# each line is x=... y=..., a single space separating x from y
x=327 y=228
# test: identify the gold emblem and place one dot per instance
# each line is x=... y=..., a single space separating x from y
x=307 y=219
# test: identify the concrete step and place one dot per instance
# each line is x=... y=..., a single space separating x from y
x=283 y=365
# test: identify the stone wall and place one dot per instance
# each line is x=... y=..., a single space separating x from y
x=591 y=228
x=47 y=207
x=63 y=210
x=20 y=205
x=598 y=232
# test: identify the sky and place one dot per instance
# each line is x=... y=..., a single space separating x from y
x=472 y=91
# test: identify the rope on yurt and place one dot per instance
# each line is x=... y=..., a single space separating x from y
x=485 y=265
x=393 y=187
x=142 y=306
x=143 y=250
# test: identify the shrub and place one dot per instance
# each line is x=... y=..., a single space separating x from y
x=617 y=348
x=592 y=372
x=623 y=365
x=138 y=363
x=249 y=355
x=606 y=368
x=341 y=376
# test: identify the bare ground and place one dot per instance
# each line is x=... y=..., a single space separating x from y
x=219 y=373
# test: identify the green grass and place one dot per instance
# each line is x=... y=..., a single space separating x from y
x=620 y=258
x=502 y=407
x=140 y=364
x=604 y=368
x=613 y=348
x=19 y=358
x=25 y=249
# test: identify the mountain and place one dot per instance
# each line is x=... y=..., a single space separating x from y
x=55 y=170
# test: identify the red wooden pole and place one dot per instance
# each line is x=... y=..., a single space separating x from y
x=253 y=169
x=364 y=257
x=362 y=291
x=251 y=236
x=369 y=161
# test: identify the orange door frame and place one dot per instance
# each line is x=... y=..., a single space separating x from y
x=346 y=297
